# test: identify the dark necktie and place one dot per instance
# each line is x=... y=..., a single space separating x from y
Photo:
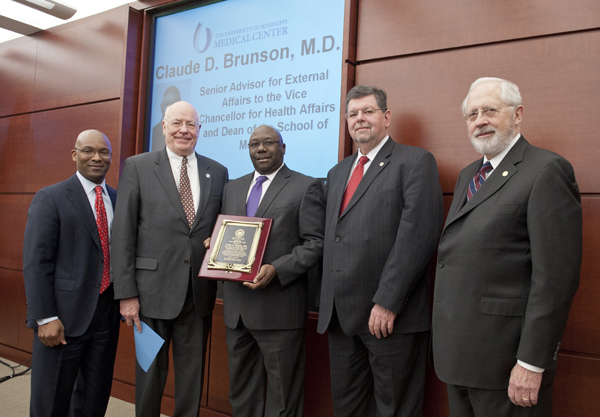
x=254 y=197
x=103 y=232
x=478 y=179
x=185 y=193
x=357 y=175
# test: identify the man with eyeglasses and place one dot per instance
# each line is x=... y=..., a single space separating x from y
x=508 y=265
x=70 y=297
x=170 y=202
x=384 y=216
x=265 y=319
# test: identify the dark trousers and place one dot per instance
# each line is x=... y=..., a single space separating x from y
x=189 y=334
x=266 y=358
x=88 y=359
x=476 y=402
x=377 y=377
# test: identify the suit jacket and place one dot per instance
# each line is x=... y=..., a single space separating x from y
x=62 y=256
x=378 y=250
x=508 y=268
x=153 y=245
x=296 y=204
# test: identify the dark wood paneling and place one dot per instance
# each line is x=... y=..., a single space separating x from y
x=12 y=223
x=17 y=76
x=392 y=27
x=15 y=148
x=577 y=387
x=218 y=368
x=583 y=328
x=82 y=62
x=10 y=286
x=559 y=84
x=53 y=137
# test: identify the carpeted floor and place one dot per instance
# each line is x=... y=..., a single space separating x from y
x=14 y=396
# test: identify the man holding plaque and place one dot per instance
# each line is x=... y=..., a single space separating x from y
x=170 y=201
x=265 y=319
x=384 y=216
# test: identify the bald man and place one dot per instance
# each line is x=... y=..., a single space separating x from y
x=170 y=96
x=170 y=201
x=70 y=297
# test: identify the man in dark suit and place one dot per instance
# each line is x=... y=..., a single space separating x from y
x=384 y=216
x=70 y=303
x=508 y=265
x=171 y=199
x=265 y=319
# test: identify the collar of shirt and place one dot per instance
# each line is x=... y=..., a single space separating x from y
x=495 y=161
x=90 y=191
x=175 y=161
x=371 y=155
x=266 y=184
x=192 y=169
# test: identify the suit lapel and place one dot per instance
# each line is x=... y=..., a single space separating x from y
x=205 y=177
x=165 y=176
x=380 y=162
x=338 y=184
x=77 y=197
x=280 y=181
x=239 y=194
x=500 y=176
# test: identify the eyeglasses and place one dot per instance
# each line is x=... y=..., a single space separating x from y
x=490 y=113
x=89 y=152
x=266 y=143
x=178 y=125
x=366 y=112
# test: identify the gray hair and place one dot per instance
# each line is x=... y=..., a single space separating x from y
x=509 y=93
x=361 y=91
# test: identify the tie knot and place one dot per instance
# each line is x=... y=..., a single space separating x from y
x=98 y=189
x=486 y=167
x=261 y=179
x=184 y=160
x=363 y=160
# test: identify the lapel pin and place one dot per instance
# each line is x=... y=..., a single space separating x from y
x=381 y=164
x=505 y=173
x=207 y=175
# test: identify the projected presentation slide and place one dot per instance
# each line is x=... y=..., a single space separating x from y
x=245 y=63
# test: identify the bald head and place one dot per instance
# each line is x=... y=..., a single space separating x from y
x=181 y=128
x=170 y=96
x=92 y=154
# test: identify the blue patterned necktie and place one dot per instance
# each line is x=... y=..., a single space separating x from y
x=478 y=179
x=254 y=197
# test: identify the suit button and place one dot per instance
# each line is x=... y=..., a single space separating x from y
x=337 y=240
x=440 y=264
x=186 y=262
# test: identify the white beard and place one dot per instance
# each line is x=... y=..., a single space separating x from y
x=491 y=147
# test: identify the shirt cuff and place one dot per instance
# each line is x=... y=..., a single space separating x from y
x=530 y=367
x=41 y=322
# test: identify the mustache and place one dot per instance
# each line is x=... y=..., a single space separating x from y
x=482 y=131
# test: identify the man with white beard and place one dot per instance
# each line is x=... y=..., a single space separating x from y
x=508 y=265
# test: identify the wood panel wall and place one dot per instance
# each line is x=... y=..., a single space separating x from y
x=424 y=53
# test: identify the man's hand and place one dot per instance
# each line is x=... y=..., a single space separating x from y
x=524 y=386
x=263 y=278
x=130 y=309
x=52 y=333
x=381 y=322
x=207 y=243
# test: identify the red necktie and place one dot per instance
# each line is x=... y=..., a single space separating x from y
x=103 y=232
x=478 y=179
x=357 y=175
